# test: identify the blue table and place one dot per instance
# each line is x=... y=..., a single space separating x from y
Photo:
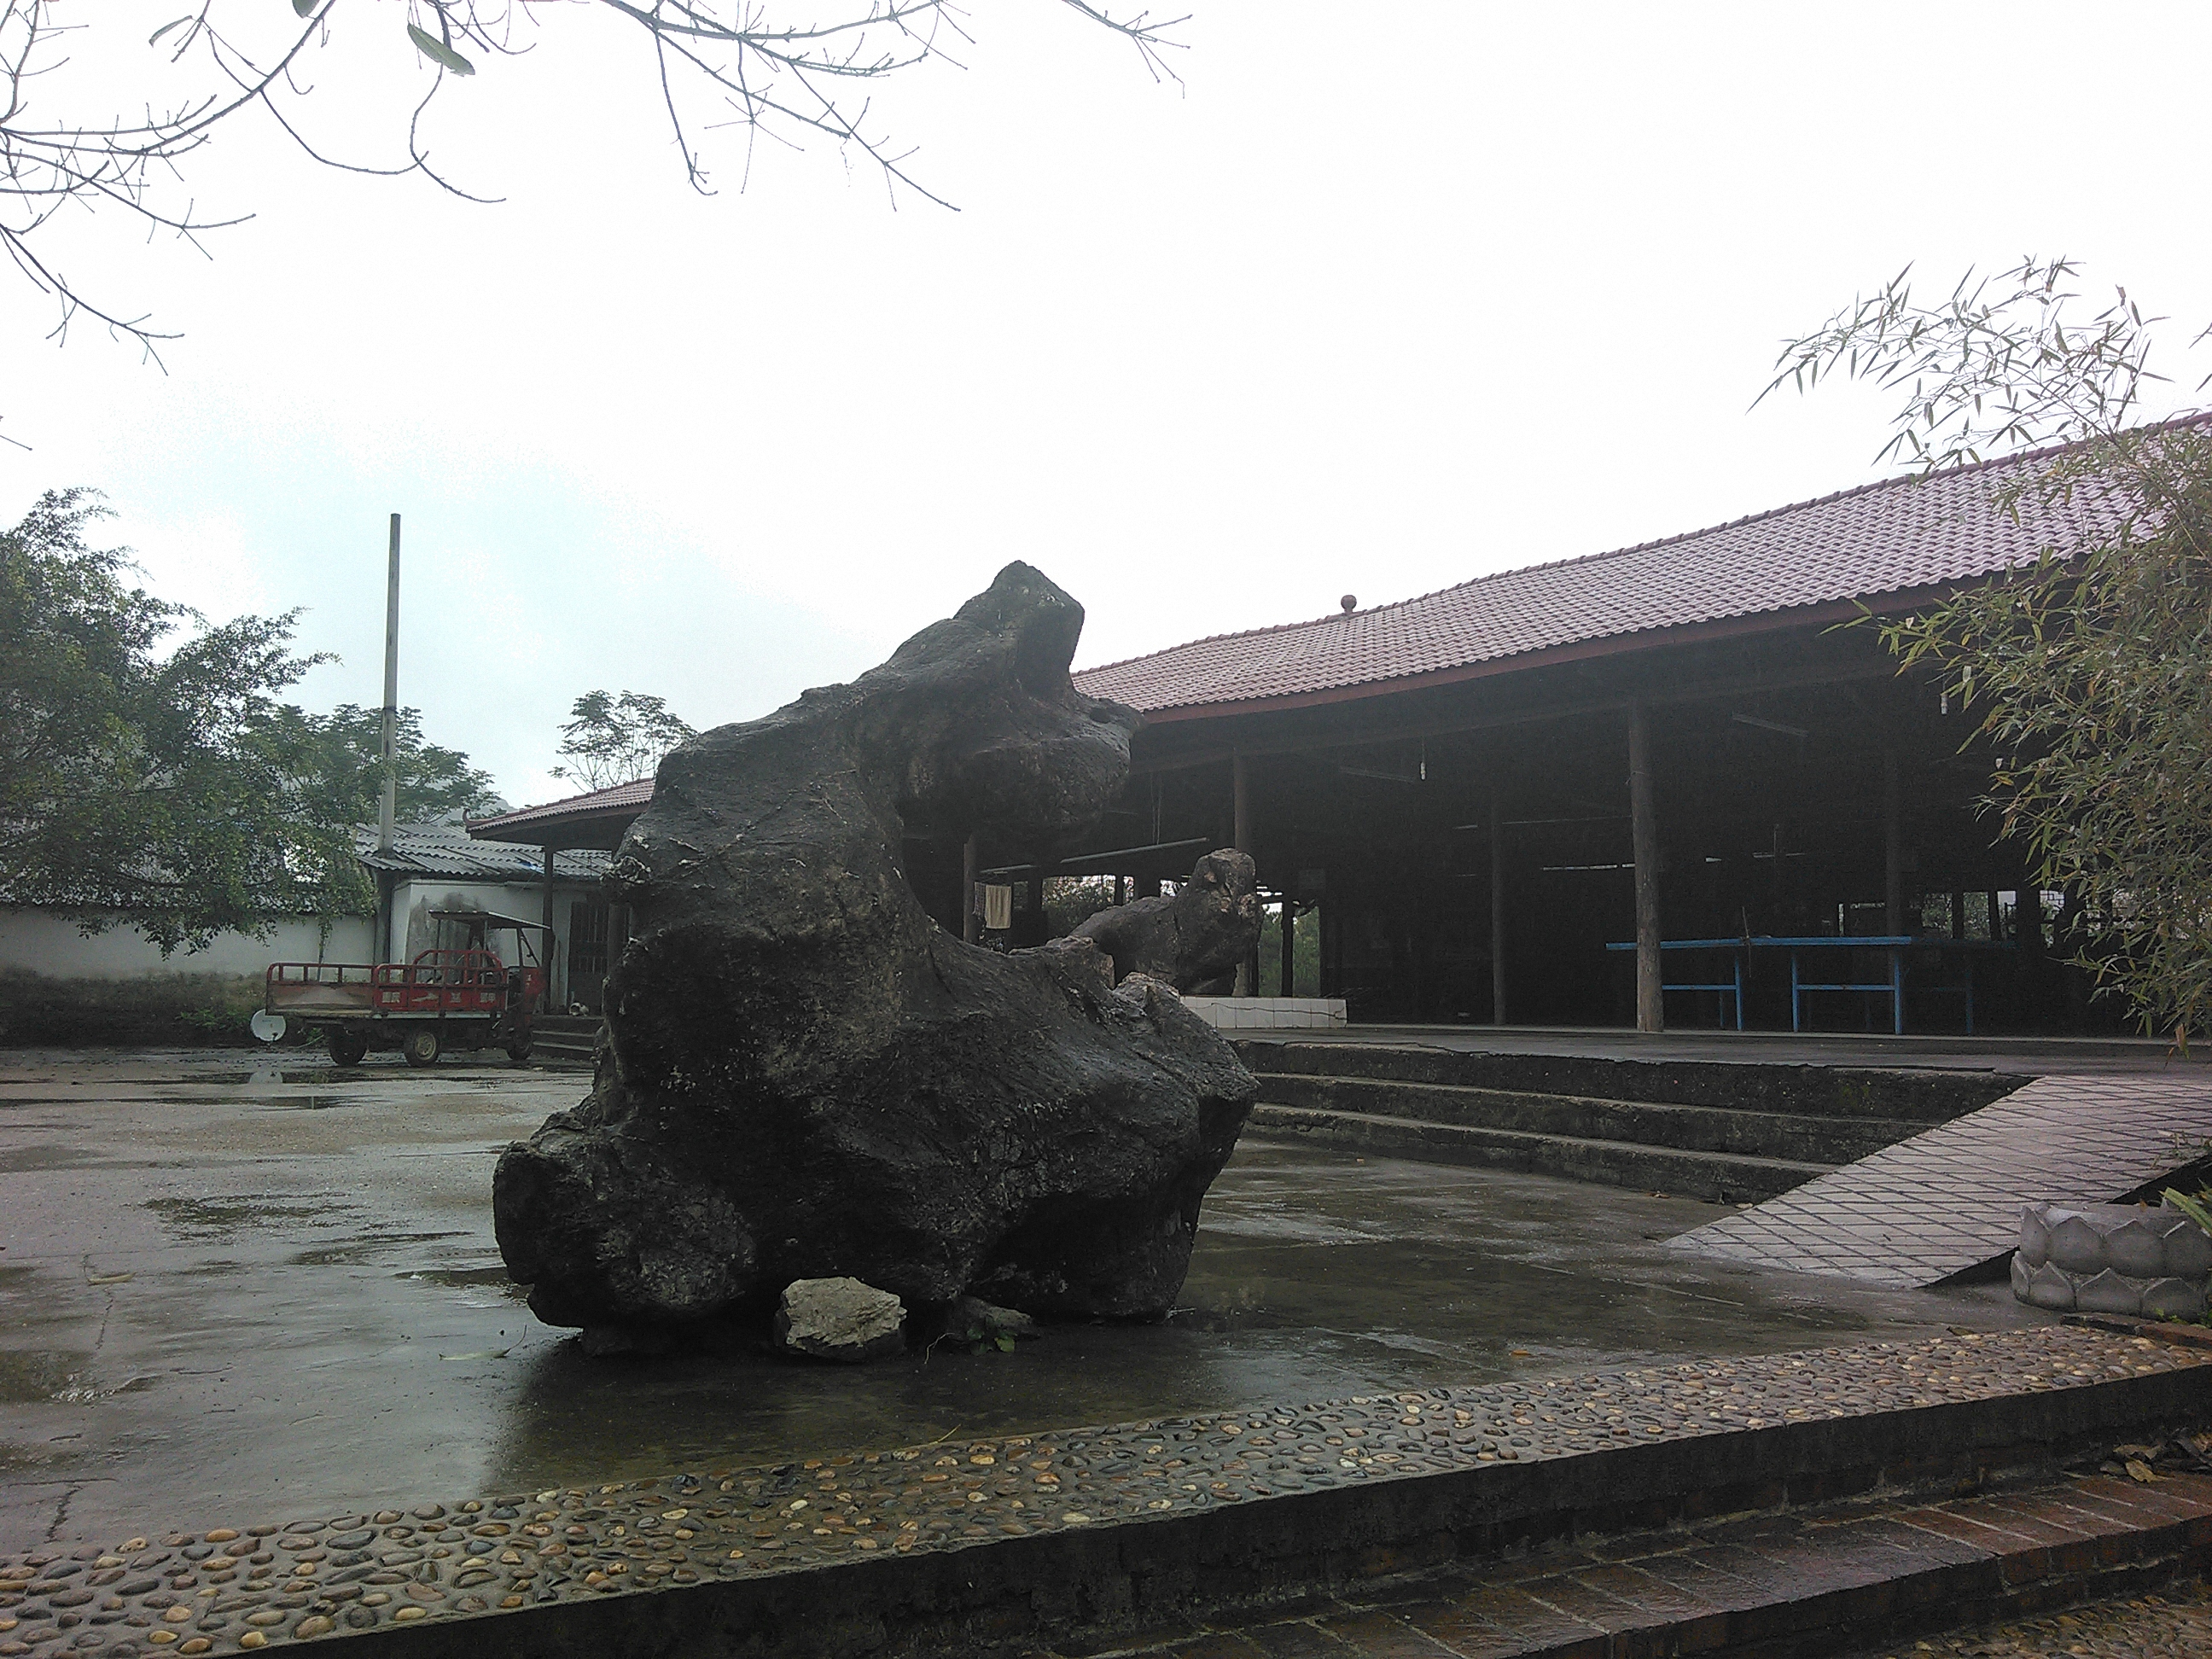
x=1895 y=944
x=1733 y=989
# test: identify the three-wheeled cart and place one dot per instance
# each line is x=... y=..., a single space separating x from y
x=470 y=998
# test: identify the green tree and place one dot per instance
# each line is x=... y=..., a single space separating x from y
x=334 y=768
x=2092 y=667
x=615 y=739
x=148 y=775
x=132 y=786
x=1070 y=901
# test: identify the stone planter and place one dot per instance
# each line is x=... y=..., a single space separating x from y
x=2112 y=1258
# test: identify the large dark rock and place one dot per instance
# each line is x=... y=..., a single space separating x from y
x=807 y=1078
x=1193 y=940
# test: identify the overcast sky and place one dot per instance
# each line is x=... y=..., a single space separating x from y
x=1382 y=297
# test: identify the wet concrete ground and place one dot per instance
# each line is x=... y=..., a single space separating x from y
x=276 y=1292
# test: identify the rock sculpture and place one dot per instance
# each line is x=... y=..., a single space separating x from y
x=1193 y=940
x=807 y=1078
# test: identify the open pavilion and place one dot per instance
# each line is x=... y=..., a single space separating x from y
x=1680 y=781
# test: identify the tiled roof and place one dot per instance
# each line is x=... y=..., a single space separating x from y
x=445 y=849
x=619 y=797
x=1879 y=539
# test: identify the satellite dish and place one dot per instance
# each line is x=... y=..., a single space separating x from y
x=267 y=1026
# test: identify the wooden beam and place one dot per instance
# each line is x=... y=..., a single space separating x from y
x=1179 y=855
x=1893 y=849
x=1650 y=1003
x=1248 y=972
x=1497 y=912
x=557 y=1005
x=1533 y=715
x=970 y=923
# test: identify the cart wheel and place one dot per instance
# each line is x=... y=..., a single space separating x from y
x=347 y=1047
x=421 y=1047
x=518 y=1050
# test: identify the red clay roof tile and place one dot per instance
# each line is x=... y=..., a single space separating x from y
x=1881 y=538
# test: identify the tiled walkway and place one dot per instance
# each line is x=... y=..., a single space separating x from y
x=1927 y=1208
x=1760 y=1586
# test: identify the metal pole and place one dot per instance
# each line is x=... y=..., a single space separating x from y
x=388 y=801
x=1644 y=828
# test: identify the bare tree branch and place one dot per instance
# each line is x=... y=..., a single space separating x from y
x=737 y=59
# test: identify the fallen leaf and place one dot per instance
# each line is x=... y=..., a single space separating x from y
x=2139 y=1470
x=108 y=1278
x=485 y=1354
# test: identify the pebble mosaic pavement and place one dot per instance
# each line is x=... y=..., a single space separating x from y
x=1918 y=1213
x=234 y=1587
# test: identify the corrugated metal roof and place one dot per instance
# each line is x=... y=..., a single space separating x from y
x=614 y=798
x=1882 y=538
x=445 y=849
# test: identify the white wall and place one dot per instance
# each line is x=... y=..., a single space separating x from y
x=46 y=943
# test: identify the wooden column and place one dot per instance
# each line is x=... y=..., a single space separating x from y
x=1650 y=1005
x=970 y=923
x=1039 y=929
x=1248 y=972
x=1497 y=911
x=1290 y=947
x=1121 y=892
x=555 y=1002
x=1893 y=849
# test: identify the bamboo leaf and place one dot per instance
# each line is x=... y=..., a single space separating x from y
x=439 y=52
x=175 y=22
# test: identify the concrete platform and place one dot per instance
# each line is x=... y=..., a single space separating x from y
x=2033 y=1055
x=277 y=1291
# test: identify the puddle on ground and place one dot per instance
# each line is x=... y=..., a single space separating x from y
x=221 y=1218
x=363 y=1250
x=32 y=1376
x=469 y=1279
x=22 y=1160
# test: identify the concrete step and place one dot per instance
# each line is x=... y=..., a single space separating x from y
x=564 y=1038
x=1718 y=1177
x=1839 y=1580
x=1924 y=1096
x=1789 y=1135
